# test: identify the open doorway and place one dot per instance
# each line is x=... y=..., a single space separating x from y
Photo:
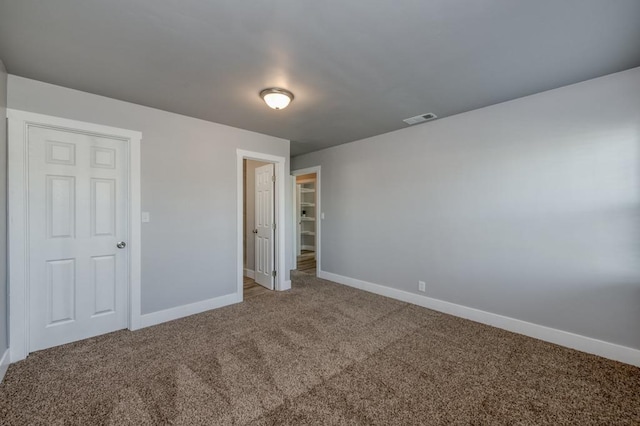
x=308 y=216
x=260 y=213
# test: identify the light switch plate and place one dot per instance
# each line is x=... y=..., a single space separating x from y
x=145 y=217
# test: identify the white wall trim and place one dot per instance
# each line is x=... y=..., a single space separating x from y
x=250 y=273
x=4 y=363
x=286 y=285
x=559 y=337
x=280 y=207
x=294 y=222
x=318 y=171
x=18 y=125
x=171 y=314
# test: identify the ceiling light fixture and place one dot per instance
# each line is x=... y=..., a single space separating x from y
x=276 y=98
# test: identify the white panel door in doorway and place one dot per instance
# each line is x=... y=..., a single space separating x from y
x=265 y=226
x=78 y=225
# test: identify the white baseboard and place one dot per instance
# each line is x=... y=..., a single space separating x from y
x=286 y=285
x=552 y=335
x=250 y=273
x=4 y=364
x=171 y=314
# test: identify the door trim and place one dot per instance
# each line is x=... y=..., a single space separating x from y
x=279 y=236
x=18 y=226
x=318 y=171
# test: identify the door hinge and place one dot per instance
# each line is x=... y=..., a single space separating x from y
x=274 y=273
x=273 y=178
x=274 y=226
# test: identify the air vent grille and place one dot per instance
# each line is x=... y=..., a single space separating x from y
x=420 y=118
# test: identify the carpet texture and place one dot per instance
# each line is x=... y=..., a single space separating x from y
x=321 y=353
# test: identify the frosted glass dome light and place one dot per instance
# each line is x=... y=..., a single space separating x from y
x=276 y=98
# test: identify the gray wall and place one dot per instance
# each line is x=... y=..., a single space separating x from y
x=4 y=309
x=528 y=209
x=188 y=186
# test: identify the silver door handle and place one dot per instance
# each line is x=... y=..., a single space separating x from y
x=121 y=244
x=255 y=231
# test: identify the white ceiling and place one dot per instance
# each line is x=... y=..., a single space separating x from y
x=357 y=68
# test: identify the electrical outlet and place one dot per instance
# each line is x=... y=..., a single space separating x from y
x=422 y=286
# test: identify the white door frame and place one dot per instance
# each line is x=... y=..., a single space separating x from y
x=319 y=218
x=279 y=202
x=18 y=227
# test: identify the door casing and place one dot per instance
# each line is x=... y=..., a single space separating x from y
x=319 y=214
x=18 y=227
x=281 y=283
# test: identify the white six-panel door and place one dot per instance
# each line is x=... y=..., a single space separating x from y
x=264 y=217
x=77 y=216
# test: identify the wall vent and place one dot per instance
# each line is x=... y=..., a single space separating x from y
x=420 y=118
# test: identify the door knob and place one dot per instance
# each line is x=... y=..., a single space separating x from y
x=255 y=231
x=121 y=244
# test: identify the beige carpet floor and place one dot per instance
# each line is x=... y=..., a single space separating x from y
x=321 y=353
